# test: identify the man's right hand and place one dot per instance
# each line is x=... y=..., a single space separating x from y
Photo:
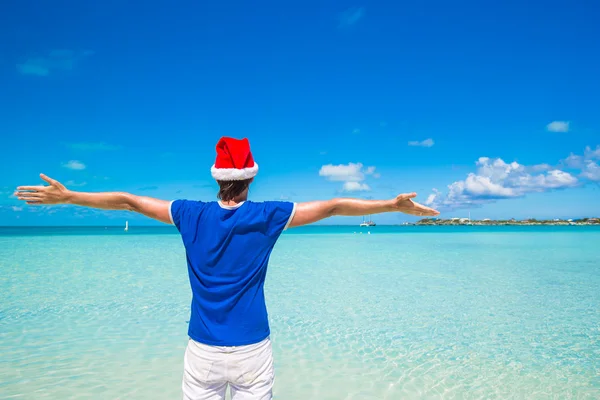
x=403 y=203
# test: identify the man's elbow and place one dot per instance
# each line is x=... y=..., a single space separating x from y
x=130 y=202
x=333 y=208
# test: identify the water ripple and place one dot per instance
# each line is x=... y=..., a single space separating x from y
x=398 y=316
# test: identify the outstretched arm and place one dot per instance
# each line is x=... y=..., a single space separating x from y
x=57 y=193
x=307 y=213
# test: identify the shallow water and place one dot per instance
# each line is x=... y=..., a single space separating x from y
x=403 y=313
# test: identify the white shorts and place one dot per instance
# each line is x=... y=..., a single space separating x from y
x=208 y=370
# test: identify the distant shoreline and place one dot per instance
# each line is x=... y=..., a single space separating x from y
x=511 y=222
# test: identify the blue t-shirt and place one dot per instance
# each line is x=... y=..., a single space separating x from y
x=228 y=250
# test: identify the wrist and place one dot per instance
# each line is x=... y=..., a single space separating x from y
x=69 y=197
x=391 y=205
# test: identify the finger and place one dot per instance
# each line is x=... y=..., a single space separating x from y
x=423 y=213
x=420 y=209
x=29 y=194
x=26 y=193
x=421 y=206
x=427 y=211
x=34 y=203
x=33 y=188
x=406 y=196
x=430 y=213
x=48 y=179
x=29 y=197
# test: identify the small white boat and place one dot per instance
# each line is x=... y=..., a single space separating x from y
x=367 y=223
x=126 y=226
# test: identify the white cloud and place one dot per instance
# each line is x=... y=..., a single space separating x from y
x=496 y=169
x=370 y=170
x=558 y=126
x=481 y=186
x=352 y=172
x=590 y=154
x=555 y=179
x=423 y=143
x=586 y=163
x=431 y=198
x=573 y=161
x=93 y=146
x=356 y=187
x=496 y=179
x=351 y=16
x=55 y=60
x=17 y=209
x=591 y=171
x=540 y=167
x=74 y=164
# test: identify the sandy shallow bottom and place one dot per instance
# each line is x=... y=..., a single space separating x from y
x=380 y=316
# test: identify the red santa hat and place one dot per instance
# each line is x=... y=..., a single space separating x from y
x=234 y=160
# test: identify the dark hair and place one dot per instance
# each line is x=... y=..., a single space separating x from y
x=228 y=190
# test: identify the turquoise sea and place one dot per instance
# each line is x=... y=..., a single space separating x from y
x=401 y=313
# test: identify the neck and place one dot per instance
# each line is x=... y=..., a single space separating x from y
x=236 y=200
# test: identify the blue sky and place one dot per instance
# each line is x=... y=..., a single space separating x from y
x=488 y=108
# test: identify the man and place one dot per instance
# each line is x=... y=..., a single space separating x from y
x=228 y=244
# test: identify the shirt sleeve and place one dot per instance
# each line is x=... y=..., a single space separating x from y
x=279 y=214
x=184 y=213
